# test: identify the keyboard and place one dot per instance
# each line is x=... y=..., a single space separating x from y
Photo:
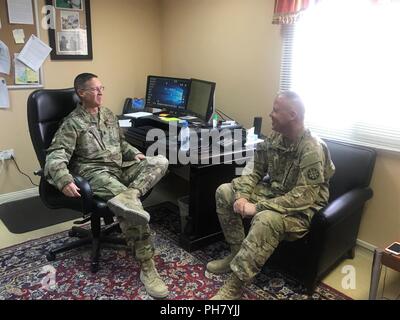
x=137 y=134
x=140 y=133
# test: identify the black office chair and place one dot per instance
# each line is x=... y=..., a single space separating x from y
x=46 y=109
x=333 y=231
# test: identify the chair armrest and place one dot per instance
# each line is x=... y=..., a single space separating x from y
x=348 y=202
x=86 y=193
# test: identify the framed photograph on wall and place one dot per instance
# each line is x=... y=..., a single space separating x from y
x=69 y=4
x=70 y=20
x=71 y=39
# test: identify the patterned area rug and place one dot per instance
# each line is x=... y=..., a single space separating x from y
x=26 y=274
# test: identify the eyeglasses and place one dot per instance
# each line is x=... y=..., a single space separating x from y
x=98 y=89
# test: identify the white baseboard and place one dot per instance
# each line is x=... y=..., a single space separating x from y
x=366 y=245
x=19 y=195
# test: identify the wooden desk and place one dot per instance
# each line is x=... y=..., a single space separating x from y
x=202 y=225
x=381 y=257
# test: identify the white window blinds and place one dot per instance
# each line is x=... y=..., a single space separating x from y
x=343 y=58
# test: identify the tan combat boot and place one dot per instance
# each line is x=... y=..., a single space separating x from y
x=127 y=204
x=152 y=281
x=222 y=265
x=231 y=290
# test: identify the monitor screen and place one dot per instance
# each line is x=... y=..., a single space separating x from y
x=201 y=99
x=167 y=93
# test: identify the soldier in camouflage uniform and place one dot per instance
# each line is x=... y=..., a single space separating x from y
x=280 y=190
x=89 y=143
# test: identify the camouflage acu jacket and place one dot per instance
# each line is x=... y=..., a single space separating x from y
x=287 y=178
x=87 y=144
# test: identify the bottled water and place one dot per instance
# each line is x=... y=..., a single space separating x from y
x=215 y=121
x=185 y=136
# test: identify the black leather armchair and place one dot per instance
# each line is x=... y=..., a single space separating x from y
x=334 y=230
x=46 y=109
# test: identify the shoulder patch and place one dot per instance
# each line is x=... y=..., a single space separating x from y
x=313 y=174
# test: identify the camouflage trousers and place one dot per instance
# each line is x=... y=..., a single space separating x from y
x=141 y=176
x=268 y=229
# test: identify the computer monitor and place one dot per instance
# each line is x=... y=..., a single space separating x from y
x=167 y=93
x=201 y=99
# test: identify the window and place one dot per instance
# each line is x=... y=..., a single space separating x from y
x=343 y=58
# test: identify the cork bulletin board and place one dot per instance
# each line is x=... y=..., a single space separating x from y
x=20 y=77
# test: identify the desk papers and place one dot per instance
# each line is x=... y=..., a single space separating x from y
x=139 y=114
x=251 y=143
x=188 y=118
x=169 y=119
x=126 y=123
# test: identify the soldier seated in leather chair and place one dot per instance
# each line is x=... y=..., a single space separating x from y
x=90 y=144
x=297 y=167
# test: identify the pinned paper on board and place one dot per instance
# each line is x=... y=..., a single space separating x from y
x=24 y=74
x=19 y=36
x=20 y=20
x=34 y=53
x=5 y=64
x=20 y=11
x=4 y=99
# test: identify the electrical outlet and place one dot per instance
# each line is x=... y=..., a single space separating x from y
x=6 y=154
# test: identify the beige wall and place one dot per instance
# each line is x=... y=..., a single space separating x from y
x=381 y=220
x=231 y=42
x=126 y=47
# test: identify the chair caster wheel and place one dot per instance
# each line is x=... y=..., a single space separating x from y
x=50 y=256
x=72 y=233
x=94 y=267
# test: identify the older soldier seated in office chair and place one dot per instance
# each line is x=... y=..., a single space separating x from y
x=89 y=143
x=287 y=184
